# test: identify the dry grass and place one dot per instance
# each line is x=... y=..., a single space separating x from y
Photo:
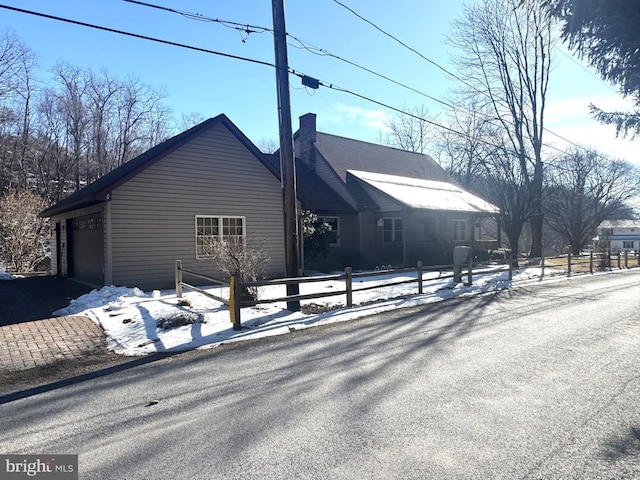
x=582 y=264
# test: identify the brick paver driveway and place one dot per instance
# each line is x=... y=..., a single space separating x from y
x=30 y=338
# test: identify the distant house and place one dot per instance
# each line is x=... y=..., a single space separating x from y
x=129 y=227
x=387 y=206
x=618 y=236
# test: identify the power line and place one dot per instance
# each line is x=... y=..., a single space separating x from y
x=137 y=35
x=303 y=44
x=322 y=52
x=572 y=59
x=245 y=28
x=259 y=62
x=453 y=75
x=396 y=39
x=419 y=118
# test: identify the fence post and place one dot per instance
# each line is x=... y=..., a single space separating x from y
x=591 y=262
x=348 y=272
x=420 y=277
x=626 y=259
x=234 y=302
x=470 y=271
x=179 y=278
x=542 y=265
x=618 y=260
x=609 y=259
x=569 y=264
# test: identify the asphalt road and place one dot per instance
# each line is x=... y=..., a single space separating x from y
x=539 y=382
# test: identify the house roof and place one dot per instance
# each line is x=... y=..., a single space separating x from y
x=425 y=194
x=312 y=191
x=620 y=224
x=347 y=154
x=98 y=191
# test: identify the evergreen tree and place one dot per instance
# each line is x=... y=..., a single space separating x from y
x=606 y=33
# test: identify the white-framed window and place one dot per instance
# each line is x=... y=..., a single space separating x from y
x=334 y=233
x=217 y=228
x=458 y=230
x=392 y=230
x=628 y=244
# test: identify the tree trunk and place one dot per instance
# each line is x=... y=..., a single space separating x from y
x=536 y=221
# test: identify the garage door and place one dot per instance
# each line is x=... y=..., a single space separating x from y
x=86 y=249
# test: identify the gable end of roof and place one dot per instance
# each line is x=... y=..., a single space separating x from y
x=97 y=191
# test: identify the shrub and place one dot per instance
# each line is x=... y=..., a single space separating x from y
x=246 y=262
x=23 y=234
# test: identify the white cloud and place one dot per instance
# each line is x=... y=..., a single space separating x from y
x=576 y=110
x=571 y=119
x=358 y=117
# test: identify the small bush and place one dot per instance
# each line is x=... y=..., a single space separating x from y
x=500 y=255
x=246 y=262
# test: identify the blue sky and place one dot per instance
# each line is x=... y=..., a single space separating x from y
x=246 y=92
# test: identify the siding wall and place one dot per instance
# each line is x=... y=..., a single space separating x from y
x=326 y=173
x=347 y=253
x=153 y=214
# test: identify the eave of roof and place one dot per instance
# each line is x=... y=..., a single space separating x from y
x=98 y=191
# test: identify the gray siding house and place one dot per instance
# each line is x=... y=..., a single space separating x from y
x=396 y=206
x=128 y=227
x=385 y=206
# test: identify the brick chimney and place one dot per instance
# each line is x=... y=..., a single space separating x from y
x=307 y=139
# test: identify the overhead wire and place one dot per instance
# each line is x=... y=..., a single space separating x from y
x=137 y=35
x=322 y=52
x=302 y=44
x=451 y=74
x=319 y=51
x=250 y=60
x=202 y=18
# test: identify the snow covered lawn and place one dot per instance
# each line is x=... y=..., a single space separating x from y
x=139 y=323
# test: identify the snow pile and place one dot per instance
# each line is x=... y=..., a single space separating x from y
x=139 y=323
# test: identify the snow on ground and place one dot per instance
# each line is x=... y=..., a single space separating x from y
x=139 y=323
x=5 y=276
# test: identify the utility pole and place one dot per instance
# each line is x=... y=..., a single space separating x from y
x=287 y=162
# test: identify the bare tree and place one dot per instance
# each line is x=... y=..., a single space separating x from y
x=136 y=103
x=17 y=62
x=188 y=120
x=268 y=145
x=584 y=188
x=81 y=125
x=410 y=132
x=505 y=58
x=503 y=183
x=72 y=95
x=55 y=167
x=11 y=51
x=465 y=148
x=23 y=234
x=102 y=92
